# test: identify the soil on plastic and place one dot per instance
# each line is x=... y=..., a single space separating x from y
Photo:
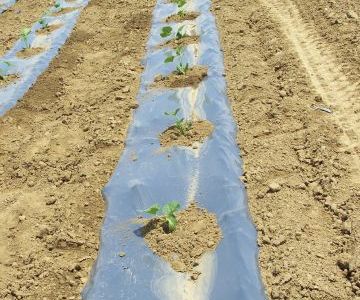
x=199 y=131
x=193 y=77
x=64 y=11
x=29 y=52
x=49 y=29
x=60 y=145
x=301 y=177
x=185 y=41
x=196 y=233
x=8 y=80
x=189 y=16
x=22 y=14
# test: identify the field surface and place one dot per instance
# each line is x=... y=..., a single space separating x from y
x=292 y=69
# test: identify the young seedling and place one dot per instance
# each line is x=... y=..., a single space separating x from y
x=4 y=70
x=181 y=68
x=58 y=6
x=181 y=124
x=180 y=34
x=43 y=22
x=168 y=213
x=170 y=56
x=165 y=31
x=25 y=34
x=181 y=13
x=179 y=3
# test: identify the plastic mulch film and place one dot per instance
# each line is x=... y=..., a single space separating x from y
x=6 y=4
x=209 y=175
x=29 y=69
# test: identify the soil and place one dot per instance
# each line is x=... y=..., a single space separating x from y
x=187 y=40
x=189 y=16
x=64 y=11
x=8 y=79
x=49 y=29
x=59 y=147
x=200 y=130
x=300 y=164
x=29 y=52
x=196 y=233
x=193 y=77
x=22 y=14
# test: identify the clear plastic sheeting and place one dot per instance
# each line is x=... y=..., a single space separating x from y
x=6 y=4
x=208 y=174
x=29 y=69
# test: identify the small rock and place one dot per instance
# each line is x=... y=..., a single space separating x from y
x=126 y=89
x=352 y=15
x=279 y=241
x=346 y=227
x=282 y=93
x=22 y=218
x=274 y=187
x=122 y=254
x=178 y=266
x=51 y=201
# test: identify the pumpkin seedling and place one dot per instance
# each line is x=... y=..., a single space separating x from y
x=58 y=7
x=179 y=34
x=43 y=22
x=165 y=31
x=4 y=69
x=171 y=56
x=181 y=68
x=181 y=13
x=179 y=3
x=25 y=34
x=181 y=124
x=168 y=213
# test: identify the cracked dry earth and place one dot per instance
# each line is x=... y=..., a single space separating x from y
x=292 y=69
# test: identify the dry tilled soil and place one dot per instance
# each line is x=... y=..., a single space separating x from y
x=292 y=69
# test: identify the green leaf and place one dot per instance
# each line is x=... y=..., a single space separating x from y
x=25 y=32
x=166 y=31
x=152 y=210
x=181 y=3
x=169 y=59
x=179 y=50
x=171 y=207
x=172 y=222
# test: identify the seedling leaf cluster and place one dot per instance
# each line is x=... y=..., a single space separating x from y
x=182 y=125
x=168 y=212
x=25 y=37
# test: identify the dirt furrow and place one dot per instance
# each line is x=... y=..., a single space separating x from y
x=302 y=192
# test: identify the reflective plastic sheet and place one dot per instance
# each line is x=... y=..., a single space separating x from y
x=6 y=4
x=209 y=175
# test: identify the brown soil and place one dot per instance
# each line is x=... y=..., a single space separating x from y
x=187 y=17
x=49 y=29
x=199 y=131
x=29 y=52
x=192 y=78
x=64 y=11
x=188 y=40
x=197 y=232
x=22 y=14
x=300 y=164
x=58 y=148
x=7 y=80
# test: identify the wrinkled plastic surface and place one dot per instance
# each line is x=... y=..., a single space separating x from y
x=6 y=4
x=210 y=175
x=29 y=69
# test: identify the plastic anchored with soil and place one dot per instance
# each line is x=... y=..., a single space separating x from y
x=207 y=173
x=6 y=4
x=28 y=69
